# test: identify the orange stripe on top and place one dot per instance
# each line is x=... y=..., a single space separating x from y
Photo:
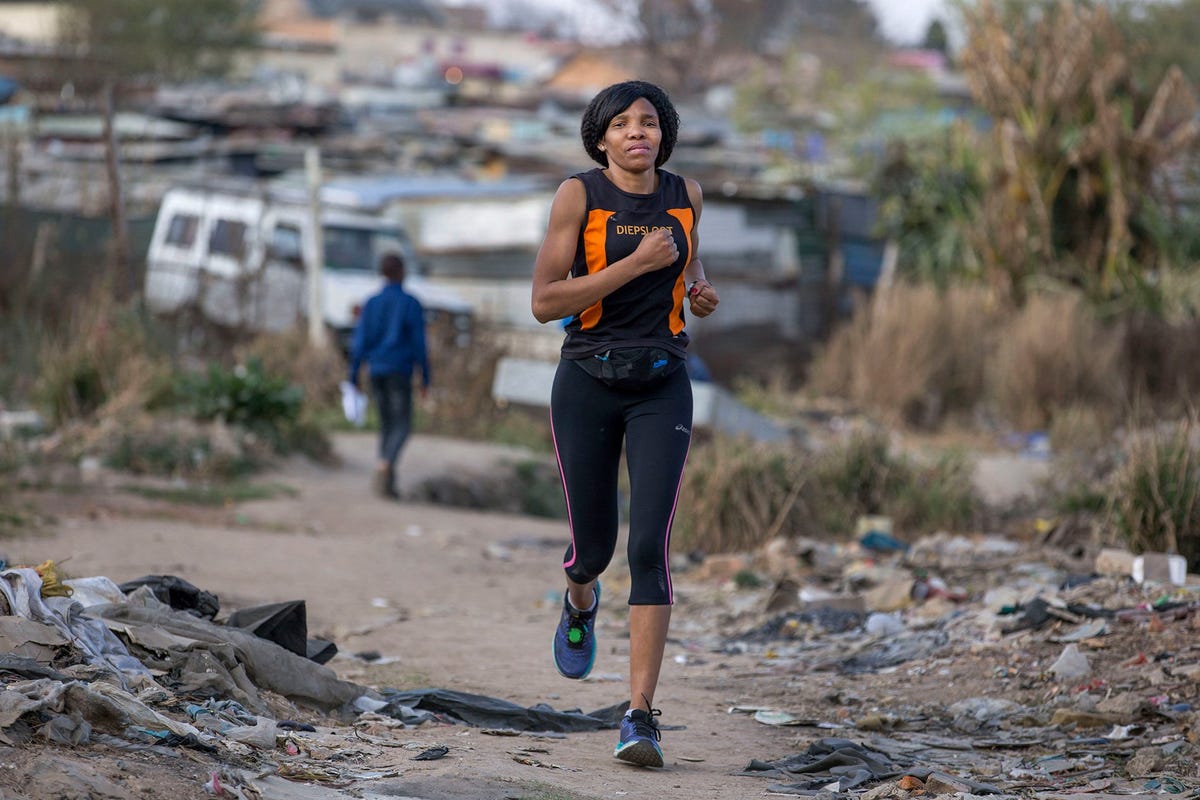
x=687 y=220
x=595 y=250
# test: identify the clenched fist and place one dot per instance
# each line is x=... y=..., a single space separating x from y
x=657 y=250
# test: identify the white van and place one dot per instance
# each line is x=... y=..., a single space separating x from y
x=235 y=255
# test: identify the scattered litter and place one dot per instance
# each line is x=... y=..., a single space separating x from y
x=1072 y=665
x=490 y=712
x=432 y=754
x=778 y=718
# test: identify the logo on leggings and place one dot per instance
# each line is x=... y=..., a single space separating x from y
x=684 y=429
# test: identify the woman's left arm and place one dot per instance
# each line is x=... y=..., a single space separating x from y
x=702 y=297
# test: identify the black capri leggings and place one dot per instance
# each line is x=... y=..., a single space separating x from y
x=590 y=421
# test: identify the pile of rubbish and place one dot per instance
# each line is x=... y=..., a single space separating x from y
x=996 y=668
x=146 y=665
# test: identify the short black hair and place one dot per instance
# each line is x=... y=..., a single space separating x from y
x=391 y=266
x=616 y=98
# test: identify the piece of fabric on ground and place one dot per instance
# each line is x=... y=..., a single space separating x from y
x=848 y=764
x=490 y=712
x=22 y=587
x=285 y=624
x=178 y=594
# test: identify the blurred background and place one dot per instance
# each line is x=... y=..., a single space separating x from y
x=973 y=219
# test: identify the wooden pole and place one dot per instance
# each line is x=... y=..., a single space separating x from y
x=122 y=263
x=315 y=263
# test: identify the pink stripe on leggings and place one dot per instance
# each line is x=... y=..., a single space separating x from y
x=567 y=498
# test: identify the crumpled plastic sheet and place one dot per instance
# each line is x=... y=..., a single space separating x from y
x=177 y=593
x=28 y=667
x=893 y=651
x=830 y=620
x=1039 y=612
x=220 y=715
x=266 y=664
x=22 y=589
x=104 y=706
x=491 y=712
x=825 y=761
x=849 y=764
x=68 y=729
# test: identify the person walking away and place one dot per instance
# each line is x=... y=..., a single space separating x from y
x=619 y=260
x=390 y=340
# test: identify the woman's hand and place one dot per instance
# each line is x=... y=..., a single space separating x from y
x=702 y=298
x=657 y=250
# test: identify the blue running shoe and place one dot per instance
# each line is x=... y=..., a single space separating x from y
x=639 y=739
x=575 y=639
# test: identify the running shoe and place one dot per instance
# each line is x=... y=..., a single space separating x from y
x=639 y=739
x=575 y=639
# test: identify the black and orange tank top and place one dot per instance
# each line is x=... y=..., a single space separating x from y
x=649 y=309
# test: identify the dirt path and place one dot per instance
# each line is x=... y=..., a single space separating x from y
x=450 y=599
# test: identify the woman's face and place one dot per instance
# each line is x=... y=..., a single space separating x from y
x=633 y=137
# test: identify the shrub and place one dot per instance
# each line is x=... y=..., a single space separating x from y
x=181 y=449
x=739 y=494
x=316 y=371
x=14 y=516
x=1154 y=496
x=539 y=487
x=104 y=352
x=245 y=396
x=863 y=476
x=461 y=402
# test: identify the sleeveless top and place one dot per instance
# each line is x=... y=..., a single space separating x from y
x=649 y=309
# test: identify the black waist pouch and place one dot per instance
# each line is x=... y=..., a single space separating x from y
x=631 y=367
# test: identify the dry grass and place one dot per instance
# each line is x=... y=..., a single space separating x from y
x=316 y=370
x=1051 y=356
x=103 y=355
x=739 y=494
x=1154 y=498
x=1163 y=364
x=921 y=358
x=913 y=355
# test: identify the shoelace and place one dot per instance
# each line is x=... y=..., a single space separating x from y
x=647 y=727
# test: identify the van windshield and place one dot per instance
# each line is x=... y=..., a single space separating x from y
x=348 y=249
x=358 y=249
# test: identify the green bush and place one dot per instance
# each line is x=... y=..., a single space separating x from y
x=244 y=395
x=862 y=476
x=181 y=450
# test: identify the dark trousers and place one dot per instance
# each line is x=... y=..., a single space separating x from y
x=393 y=399
x=591 y=422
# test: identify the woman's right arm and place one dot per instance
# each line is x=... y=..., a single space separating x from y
x=555 y=294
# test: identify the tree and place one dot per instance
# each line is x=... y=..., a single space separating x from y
x=1165 y=36
x=118 y=43
x=936 y=38
x=1079 y=150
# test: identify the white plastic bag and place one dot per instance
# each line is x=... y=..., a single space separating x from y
x=354 y=404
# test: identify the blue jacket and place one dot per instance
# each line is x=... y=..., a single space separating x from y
x=390 y=336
